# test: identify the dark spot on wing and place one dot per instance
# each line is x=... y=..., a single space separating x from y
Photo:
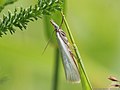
x=63 y=36
x=62 y=33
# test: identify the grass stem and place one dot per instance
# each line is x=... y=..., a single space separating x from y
x=56 y=70
x=84 y=78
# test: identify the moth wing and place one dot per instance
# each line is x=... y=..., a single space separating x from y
x=71 y=69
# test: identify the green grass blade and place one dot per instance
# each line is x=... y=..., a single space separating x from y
x=84 y=79
x=56 y=70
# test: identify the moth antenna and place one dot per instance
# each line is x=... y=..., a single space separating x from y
x=48 y=42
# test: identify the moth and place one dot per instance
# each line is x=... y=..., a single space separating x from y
x=68 y=58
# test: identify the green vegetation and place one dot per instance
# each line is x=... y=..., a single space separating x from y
x=95 y=28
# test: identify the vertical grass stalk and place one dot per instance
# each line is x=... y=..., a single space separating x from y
x=48 y=31
x=56 y=70
x=84 y=78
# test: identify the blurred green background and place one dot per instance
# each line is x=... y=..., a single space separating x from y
x=95 y=25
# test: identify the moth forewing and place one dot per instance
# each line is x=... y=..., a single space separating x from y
x=70 y=67
x=69 y=63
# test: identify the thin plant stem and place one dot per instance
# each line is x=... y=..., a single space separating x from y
x=84 y=78
x=56 y=70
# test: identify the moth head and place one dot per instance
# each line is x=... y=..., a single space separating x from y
x=55 y=25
